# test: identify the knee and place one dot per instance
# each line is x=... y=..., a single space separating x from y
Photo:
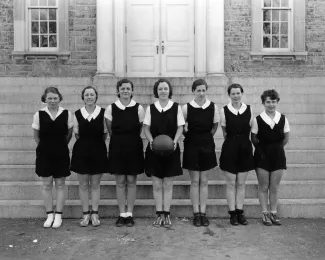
x=131 y=184
x=83 y=186
x=60 y=186
x=231 y=185
x=47 y=187
x=240 y=186
x=157 y=187
x=168 y=186
x=274 y=188
x=264 y=187
x=95 y=186
x=195 y=183
x=121 y=184
x=203 y=183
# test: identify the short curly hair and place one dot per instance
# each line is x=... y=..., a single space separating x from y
x=199 y=82
x=155 y=88
x=235 y=85
x=121 y=82
x=84 y=90
x=272 y=94
x=53 y=90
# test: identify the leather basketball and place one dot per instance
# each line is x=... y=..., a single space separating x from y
x=163 y=145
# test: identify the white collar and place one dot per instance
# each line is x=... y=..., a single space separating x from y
x=160 y=109
x=119 y=104
x=88 y=116
x=46 y=109
x=204 y=106
x=271 y=122
x=233 y=110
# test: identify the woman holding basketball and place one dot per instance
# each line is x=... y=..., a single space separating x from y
x=199 y=156
x=164 y=117
x=124 y=121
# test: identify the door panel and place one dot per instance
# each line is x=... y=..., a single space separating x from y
x=142 y=38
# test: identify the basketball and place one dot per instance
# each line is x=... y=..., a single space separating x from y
x=163 y=145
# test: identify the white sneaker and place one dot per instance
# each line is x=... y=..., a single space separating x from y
x=57 y=221
x=49 y=221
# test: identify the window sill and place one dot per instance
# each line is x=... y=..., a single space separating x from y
x=33 y=55
x=260 y=56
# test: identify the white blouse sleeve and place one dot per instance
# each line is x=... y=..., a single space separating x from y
x=252 y=118
x=286 y=126
x=108 y=113
x=180 y=117
x=216 y=117
x=141 y=113
x=35 y=124
x=75 y=125
x=70 y=120
x=222 y=117
x=147 y=117
x=184 y=110
x=254 y=128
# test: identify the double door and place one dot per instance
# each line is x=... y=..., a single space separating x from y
x=160 y=38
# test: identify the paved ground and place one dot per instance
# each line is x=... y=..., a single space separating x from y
x=296 y=239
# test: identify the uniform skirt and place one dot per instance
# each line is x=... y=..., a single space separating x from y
x=89 y=157
x=237 y=155
x=52 y=159
x=126 y=154
x=270 y=157
x=199 y=152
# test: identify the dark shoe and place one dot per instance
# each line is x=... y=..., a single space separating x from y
x=120 y=221
x=167 y=222
x=159 y=221
x=241 y=217
x=204 y=220
x=233 y=218
x=197 y=220
x=129 y=222
x=275 y=219
x=266 y=219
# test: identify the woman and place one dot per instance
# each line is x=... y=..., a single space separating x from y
x=52 y=127
x=89 y=156
x=236 y=158
x=163 y=117
x=270 y=133
x=199 y=156
x=124 y=121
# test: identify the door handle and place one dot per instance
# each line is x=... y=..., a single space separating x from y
x=157 y=47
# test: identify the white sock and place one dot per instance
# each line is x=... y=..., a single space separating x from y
x=123 y=215
x=128 y=214
x=49 y=220
x=57 y=221
x=273 y=211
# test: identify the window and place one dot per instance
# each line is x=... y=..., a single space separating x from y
x=44 y=30
x=278 y=28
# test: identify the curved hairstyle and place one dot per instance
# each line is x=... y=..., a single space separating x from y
x=199 y=82
x=84 y=90
x=123 y=81
x=235 y=85
x=155 y=88
x=53 y=90
x=272 y=94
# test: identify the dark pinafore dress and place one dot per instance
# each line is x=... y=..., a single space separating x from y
x=126 y=146
x=163 y=123
x=52 y=152
x=237 y=151
x=89 y=155
x=199 y=148
x=269 y=153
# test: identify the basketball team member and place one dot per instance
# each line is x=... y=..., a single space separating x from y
x=199 y=157
x=52 y=132
x=164 y=117
x=236 y=158
x=126 y=161
x=89 y=155
x=270 y=133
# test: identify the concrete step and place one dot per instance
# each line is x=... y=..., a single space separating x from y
x=290 y=208
x=293 y=157
x=295 y=172
x=217 y=190
x=27 y=143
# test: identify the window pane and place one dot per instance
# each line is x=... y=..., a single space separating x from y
x=52 y=14
x=275 y=28
x=33 y=2
x=275 y=15
x=266 y=42
x=43 y=27
x=284 y=42
x=52 y=2
x=285 y=3
x=52 y=27
x=35 y=41
x=267 y=3
x=276 y=3
x=275 y=41
x=284 y=28
x=35 y=27
x=43 y=2
x=52 y=41
x=266 y=15
x=43 y=14
x=44 y=41
x=35 y=14
x=284 y=15
x=267 y=28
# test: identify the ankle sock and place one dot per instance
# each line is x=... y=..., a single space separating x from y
x=123 y=215
x=129 y=214
x=273 y=211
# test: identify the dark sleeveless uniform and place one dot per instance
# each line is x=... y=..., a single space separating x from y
x=126 y=146
x=52 y=152
x=199 y=148
x=163 y=123
x=269 y=153
x=237 y=151
x=89 y=155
